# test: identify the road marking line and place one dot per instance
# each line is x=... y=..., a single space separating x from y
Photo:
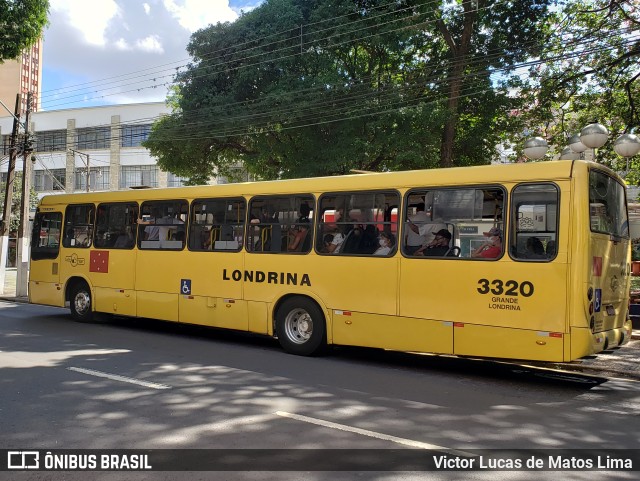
x=373 y=434
x=115 y=377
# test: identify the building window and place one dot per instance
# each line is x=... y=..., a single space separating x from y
x=98 y=178
x=93 y=138
x=51 y=141
x=49 y=180
x=175 y=180
x=138 y=176
x=6 y=144
x=134 y=135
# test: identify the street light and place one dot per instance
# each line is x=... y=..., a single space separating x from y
x=627 y=145
x=569 y=154
x=576 y=145
x=535 y=148
x=594 y=135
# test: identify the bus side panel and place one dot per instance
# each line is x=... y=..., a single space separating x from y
x=212 y=300
x=391 y=332
x=502 y=342
x=44 y=282
x=115 y=301
x=158 y=283
x=360 y=284
x=491 y=293
x=214 y=311
x=47 y=293
x=113 y=278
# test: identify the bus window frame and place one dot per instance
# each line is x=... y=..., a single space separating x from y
x=69 y=226
x=513 y=222
x=133 y=226
x=143 y=225
x=250 y=224
x=191 y=224
x=613 y=235
x=318 y=239
x=41 y=252
x=455 y=223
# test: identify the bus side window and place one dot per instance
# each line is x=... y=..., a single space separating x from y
x=454 y=223
x=116 y=225
x=161 y=224
x=281 y=224
x=78 y=225
x=534 y=222
x=217 y=224
x=352 y=223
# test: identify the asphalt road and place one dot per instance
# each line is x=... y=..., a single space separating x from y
x=141 y=384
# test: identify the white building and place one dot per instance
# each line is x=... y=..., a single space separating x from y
x=107 y=137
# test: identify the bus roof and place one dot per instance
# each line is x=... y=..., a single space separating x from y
x=521 y=172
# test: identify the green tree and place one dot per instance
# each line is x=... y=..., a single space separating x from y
x=319 y=87
x=21 y=25
x=589 y=71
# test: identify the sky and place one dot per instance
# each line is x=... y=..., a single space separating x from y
x=103 y=52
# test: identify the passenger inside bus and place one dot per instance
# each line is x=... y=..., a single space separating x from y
x=492 y=248
x=438 y=247
x=298 y=235
x=386 y=241
x=534 y=249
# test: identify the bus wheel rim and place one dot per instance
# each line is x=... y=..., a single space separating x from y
x=82 y=302
x=298 y=326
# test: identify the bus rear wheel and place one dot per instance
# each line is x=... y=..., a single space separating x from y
x=301 y=327
x=80 y=302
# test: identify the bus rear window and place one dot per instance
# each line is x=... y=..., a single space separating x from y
x=607 y=205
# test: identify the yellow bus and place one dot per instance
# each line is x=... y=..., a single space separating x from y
x=526 y=261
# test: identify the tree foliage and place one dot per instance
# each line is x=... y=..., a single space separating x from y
x=21 y=25
x=318 y=87
x=589 y=71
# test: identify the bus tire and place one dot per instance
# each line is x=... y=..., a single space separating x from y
x=80 y=302
x=301 y=327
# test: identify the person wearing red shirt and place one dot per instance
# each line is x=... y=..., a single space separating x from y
x=491 y=249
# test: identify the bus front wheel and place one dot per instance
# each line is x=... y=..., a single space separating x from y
x=300 y=326
x=80 y=302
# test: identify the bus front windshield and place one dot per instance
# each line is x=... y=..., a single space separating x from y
x=607 y=202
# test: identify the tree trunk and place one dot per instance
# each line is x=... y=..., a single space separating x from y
x=459 y=59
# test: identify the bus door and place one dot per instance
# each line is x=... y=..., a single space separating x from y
x=113 y=258
x=160 y=258
x=211 y=274
x=608 y=274
x=44 y=271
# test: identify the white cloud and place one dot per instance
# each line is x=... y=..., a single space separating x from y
x=196 y=14
x=90 y=17
x=122 y=51
x=150 y=44
x=121 y=44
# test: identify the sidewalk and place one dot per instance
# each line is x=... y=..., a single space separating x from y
x=10 y=287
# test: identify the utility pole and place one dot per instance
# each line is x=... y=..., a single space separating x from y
x=24 y=231
x=88 y=173
x=8 y=196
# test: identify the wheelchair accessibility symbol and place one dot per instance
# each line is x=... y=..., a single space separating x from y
x=185 y=286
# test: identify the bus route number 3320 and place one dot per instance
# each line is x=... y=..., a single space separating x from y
x=499 y=287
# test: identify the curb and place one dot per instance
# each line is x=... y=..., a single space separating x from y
x=21 y=300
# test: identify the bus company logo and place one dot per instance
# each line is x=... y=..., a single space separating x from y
x=23 y=460
x=74 y=260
